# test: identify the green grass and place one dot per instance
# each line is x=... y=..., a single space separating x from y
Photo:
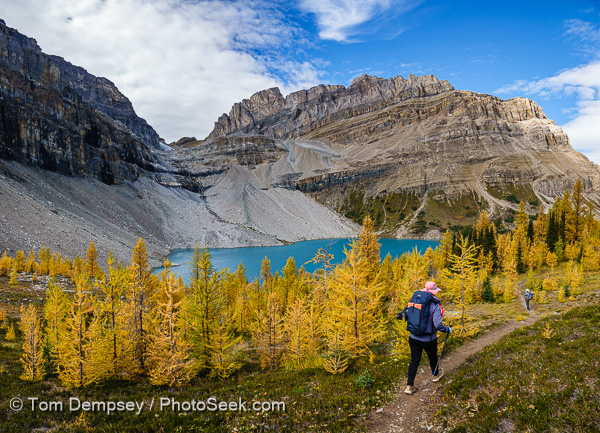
x=530 y=383
x=315 y=400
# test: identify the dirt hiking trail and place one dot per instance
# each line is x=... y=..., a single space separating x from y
x=407 y=413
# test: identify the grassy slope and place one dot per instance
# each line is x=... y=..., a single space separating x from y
x=315 y=400
x=533 y=380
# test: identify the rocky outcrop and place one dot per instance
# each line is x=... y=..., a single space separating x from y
x=395 y=148
x=59 y=117
x=269 y=113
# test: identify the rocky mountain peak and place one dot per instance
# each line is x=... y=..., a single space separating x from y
x=268 y=113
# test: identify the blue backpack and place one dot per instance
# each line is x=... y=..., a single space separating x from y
x=417 y=313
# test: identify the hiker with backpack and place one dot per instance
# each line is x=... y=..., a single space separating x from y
x=528 y=297
x=424 y=319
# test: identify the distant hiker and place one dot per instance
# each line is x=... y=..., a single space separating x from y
x=424 y=318
x=528 y=297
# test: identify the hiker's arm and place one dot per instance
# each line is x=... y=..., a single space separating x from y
x=437 y=320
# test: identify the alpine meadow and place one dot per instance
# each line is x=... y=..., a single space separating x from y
x=316 y=216
x=300 y=338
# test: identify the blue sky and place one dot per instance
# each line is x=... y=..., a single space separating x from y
x=183 y=63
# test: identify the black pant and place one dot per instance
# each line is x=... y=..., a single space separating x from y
x=527 y=302
x=416 y=350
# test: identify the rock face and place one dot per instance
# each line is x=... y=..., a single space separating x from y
x=61 y=118
x=269 y=113
x=414 y=153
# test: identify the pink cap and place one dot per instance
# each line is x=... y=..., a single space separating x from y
x=430 y=286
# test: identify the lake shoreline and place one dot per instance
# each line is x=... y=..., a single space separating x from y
x=251 y=257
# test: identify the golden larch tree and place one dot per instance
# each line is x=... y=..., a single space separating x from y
x=461 y=278
x=355 y=303
x=201 y=306
x=56 y=309
x=75 y=350
x=139 y=305
x=117 y=351
x=170 y=357
x=33 y=351
x=268 y=335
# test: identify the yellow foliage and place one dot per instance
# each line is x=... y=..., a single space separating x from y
x=561 y=295
x=551 y=259
x=80 y=339
x=169 y=353
x=355 y=303
x=13 y=276
x=336 y=356
x=547 y=331
x=10 y=333
x=33 y=352
x=268 y=334
x=541 y=297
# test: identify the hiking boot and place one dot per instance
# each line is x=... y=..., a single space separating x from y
x=438 y=376
x=410 y=389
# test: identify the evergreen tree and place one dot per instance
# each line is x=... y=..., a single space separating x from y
x=521 y=267
x=33 y=352
x=488 y=294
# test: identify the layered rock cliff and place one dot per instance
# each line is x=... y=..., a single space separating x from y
x=415 y=154
x=269 y=113
x=77 y=164
x=59 y=117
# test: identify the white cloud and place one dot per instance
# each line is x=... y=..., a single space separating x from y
x=582 y=82
x=338 y=19
x=181 y=63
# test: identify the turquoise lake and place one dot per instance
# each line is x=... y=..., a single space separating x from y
x=251 y=257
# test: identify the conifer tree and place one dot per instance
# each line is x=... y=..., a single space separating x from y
x=224 y=351
x=202 y=305
x=139 y=305
x=355 y=303
x=118 y=351
x=44 y=256
x=33 y=352
x=487 y=294
x=335 y=360
x=76 y=365
x=31 y=264
x=268 y=334
x=10 y=333
x=5 y=265
x=416 y=270
x=462 y=277
x=578 y=208
x=510 y=280
x=169 y=353
x=91 y=260
x=445 y=249
x=13 y=276
x=20 y=261
x=56 y=309
x=296 y=327
x=369 y=248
